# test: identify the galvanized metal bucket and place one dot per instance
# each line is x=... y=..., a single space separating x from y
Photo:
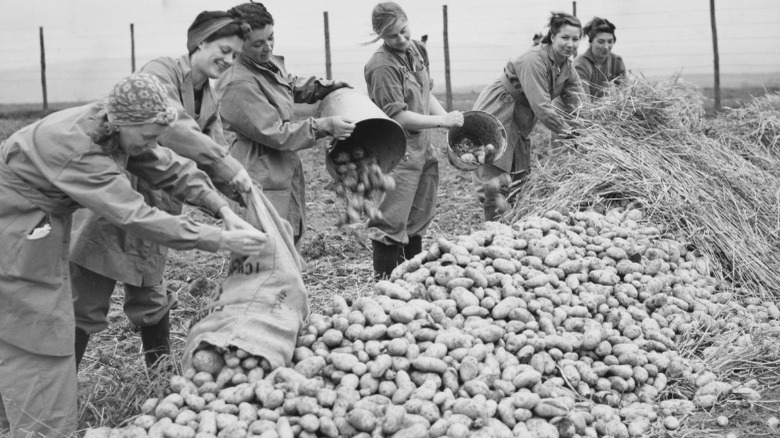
x=481 y=128
x=380 y=136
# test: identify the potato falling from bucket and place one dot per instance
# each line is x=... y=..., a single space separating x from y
x=362 y=163
x=361 y=183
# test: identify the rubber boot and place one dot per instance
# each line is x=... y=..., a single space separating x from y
x=156 y=341
x=413 y=248
x=386 y=258
x=489 y=209
x=82 y=339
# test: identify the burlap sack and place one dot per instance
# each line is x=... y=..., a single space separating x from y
x=263 y=302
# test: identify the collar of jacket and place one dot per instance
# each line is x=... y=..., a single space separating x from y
x=186 y=67
x=187 y=88
x=407 y=56
x=589 y=56
x=186 y=72
x=276 y=61
x=96 y=116
x=551 y=55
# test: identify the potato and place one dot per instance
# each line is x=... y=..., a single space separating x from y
x=361 y=420
x=429 y=365
x=208 y=360
x=166 y=410
x=178 y=431
x=393 y=290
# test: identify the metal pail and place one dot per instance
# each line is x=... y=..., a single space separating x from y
x=380 y=136
x=481 y=128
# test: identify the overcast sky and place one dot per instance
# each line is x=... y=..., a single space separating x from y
x=88 y=41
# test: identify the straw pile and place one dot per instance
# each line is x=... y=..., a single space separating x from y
x=753 y=131
x=644 y=146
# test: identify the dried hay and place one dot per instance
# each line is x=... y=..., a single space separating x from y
x=643 y=146
x=753 y=131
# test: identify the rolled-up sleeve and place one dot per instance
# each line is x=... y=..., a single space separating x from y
x=310 y=89
x=96 y=182
x=532 y=75
x=184 y=136
x=245 y=109
x=179 y=176
x=386 y=88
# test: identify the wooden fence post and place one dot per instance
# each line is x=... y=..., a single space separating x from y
x=716 y=56
x=132 y=48
x=328 y=72
x=447 y=81
x=43 y=73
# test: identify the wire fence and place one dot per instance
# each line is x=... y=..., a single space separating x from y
x=659 y=38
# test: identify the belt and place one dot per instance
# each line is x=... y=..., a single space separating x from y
x=510 y=88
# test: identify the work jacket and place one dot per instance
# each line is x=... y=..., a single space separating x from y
x=257 y=105
x=596 y=77
x=47 y=171
x=101 y=246
x=534 y=80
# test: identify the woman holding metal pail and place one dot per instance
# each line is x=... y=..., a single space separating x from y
x=399 y=82
x=523 y=94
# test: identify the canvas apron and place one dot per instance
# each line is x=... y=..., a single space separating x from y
x=37 y=309
x=36 y=323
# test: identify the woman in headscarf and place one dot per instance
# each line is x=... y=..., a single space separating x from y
x=78 y=158
x=102 y=253
x=523 y=94
x=258 y=94
x=598 y=66
x=399 y=82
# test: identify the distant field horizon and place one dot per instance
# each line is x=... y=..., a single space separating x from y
x=735 y=90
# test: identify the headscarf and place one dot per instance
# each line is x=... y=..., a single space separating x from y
x=599 y=25
x=139 y=99
x=205 y=24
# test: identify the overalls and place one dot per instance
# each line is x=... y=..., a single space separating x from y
x=408 y=210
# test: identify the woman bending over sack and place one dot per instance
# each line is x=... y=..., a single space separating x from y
x=103 y=253
x=78 y=158
x=399 y=82
x=523 y=94
x=258 y=97
x=598 y=66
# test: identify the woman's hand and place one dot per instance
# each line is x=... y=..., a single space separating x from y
x=337 y=126
x=243 y=242
x=242 y=182
x=453 y=119
x=341 y=84
x=232 y=221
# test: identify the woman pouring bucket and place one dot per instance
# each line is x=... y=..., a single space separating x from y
x=399 y=82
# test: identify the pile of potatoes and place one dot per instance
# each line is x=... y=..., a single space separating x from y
x=555 y=327
x=362 y=184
